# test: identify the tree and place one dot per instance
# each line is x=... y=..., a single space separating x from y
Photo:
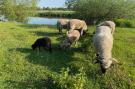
x=17 y=10
x=70 y=4
x=103 y=9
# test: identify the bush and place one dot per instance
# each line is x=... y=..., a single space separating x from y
x=16 y=11
x=52 y=13
x=67 y=81
x=92 y=10
x=125 y=23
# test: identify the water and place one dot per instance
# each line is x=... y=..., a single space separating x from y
x=3 y=18
x=42 y=21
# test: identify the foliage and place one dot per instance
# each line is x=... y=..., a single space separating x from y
x=125 y=23
x=91 y=10
x=56 y=13
x=70 y=3
x=17 y=10
x=67 y=81
x=49 y=8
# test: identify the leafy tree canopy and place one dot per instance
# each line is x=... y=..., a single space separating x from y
x=17 y=10
x=103 y=9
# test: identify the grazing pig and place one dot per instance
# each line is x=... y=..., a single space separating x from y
x=71 y=37
x=62 y=24
x=44 y=42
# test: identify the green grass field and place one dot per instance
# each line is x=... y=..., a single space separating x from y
x=23 y=68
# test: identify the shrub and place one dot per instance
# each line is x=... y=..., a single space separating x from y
x=125 y=23
x=92 y=10
x=52 y=13
x=17 y=10
x=67 y=81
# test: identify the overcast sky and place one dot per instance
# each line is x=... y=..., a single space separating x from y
x=51 y=3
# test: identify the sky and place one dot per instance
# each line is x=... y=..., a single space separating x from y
x=51 y=3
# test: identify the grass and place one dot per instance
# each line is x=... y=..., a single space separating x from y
x=22 y=68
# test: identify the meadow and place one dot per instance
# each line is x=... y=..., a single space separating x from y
x=23 y=68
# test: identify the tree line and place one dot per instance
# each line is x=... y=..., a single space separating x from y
x=89 y=10
x=49 y=8
x=95 y=10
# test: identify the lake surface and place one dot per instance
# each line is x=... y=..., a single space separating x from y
x=42 y=21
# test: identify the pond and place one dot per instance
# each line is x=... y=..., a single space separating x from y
x=42 y=21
